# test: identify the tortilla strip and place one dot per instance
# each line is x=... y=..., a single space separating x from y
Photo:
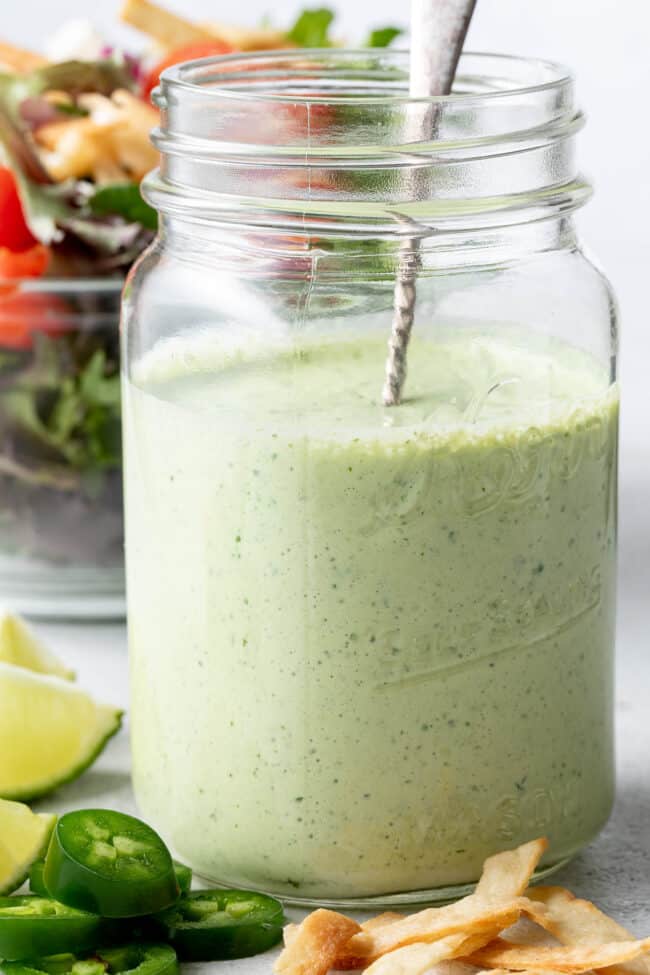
x=503 y=874
x=505 y=877
x=291 y=930
x=16 y=59
x=465 y=917
x=165 y=27
x=505 y=971
x=112 y=141
x=527 y=932
x=418 y=958
x=379 y=920
x=313 y=948
x=572 y=959
x=579 y=922
x=249 y=38
x=352 y=961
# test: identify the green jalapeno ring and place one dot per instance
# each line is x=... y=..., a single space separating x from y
x=37 y=883
x=110 y=863
x=212 y=925
x=31 y=925
x=133 y=959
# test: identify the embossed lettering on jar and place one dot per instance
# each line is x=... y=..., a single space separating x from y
x=385 y=635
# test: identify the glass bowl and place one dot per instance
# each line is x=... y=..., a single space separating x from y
x=61 y=521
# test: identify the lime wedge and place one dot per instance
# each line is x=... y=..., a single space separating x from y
x=50 y=731
x=20 y=647
x=24 y=836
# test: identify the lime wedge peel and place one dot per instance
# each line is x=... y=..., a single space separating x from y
x=19 y=646
x=24 y=837
x=50 y=732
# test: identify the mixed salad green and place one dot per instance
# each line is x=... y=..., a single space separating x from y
x=74 y=145
x=74 y=136
x=60 y=457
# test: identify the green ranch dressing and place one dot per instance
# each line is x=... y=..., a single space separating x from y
x=370 y=646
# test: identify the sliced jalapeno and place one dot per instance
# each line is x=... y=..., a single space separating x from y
x=31 y=925
x=105 y=861
x=129 y=960
x=183 y=876
x=37 y=883
x=210 y=925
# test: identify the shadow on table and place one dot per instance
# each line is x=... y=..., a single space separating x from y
x=97 y=788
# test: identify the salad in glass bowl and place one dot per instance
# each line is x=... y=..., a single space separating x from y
x=74 y=146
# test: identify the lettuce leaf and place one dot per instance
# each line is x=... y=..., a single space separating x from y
x=69 y=410
x=383 y=36
x=311 y=29
x=124 y=200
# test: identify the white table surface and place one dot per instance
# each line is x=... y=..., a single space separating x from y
x=614 y=871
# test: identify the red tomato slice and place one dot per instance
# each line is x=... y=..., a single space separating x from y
x=14 y=232
x=23 y=313
x=31 y=263
x=186 y=52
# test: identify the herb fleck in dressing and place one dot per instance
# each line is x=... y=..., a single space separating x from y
x=373 y=645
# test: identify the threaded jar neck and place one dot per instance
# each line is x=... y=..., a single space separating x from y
x=323 y=141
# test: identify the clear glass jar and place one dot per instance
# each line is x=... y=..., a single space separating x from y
x=62 y=537
x=369 y=646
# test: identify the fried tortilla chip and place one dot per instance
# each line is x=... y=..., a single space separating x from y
x=17 y=59
x=415 y=959
x=291 y=930
x=249 y=38
x=527 y=932
x=110 y=144
x=466 y=917
x=289 y=933
x=578 y=922
x=493 y=906
x=167 y=28
x=507 y=874
x=380 y=920
x=505 y=971
x=313 y=948
x=571 y=959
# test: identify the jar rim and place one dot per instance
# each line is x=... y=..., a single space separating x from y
x=214 y=76
x=332 y=135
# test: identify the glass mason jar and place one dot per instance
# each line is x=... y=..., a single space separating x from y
x=61 y=538
x=369 y=645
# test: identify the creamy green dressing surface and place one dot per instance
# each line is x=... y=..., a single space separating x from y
x=369 y=646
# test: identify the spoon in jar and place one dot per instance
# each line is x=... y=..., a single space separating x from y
x=438 y=31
